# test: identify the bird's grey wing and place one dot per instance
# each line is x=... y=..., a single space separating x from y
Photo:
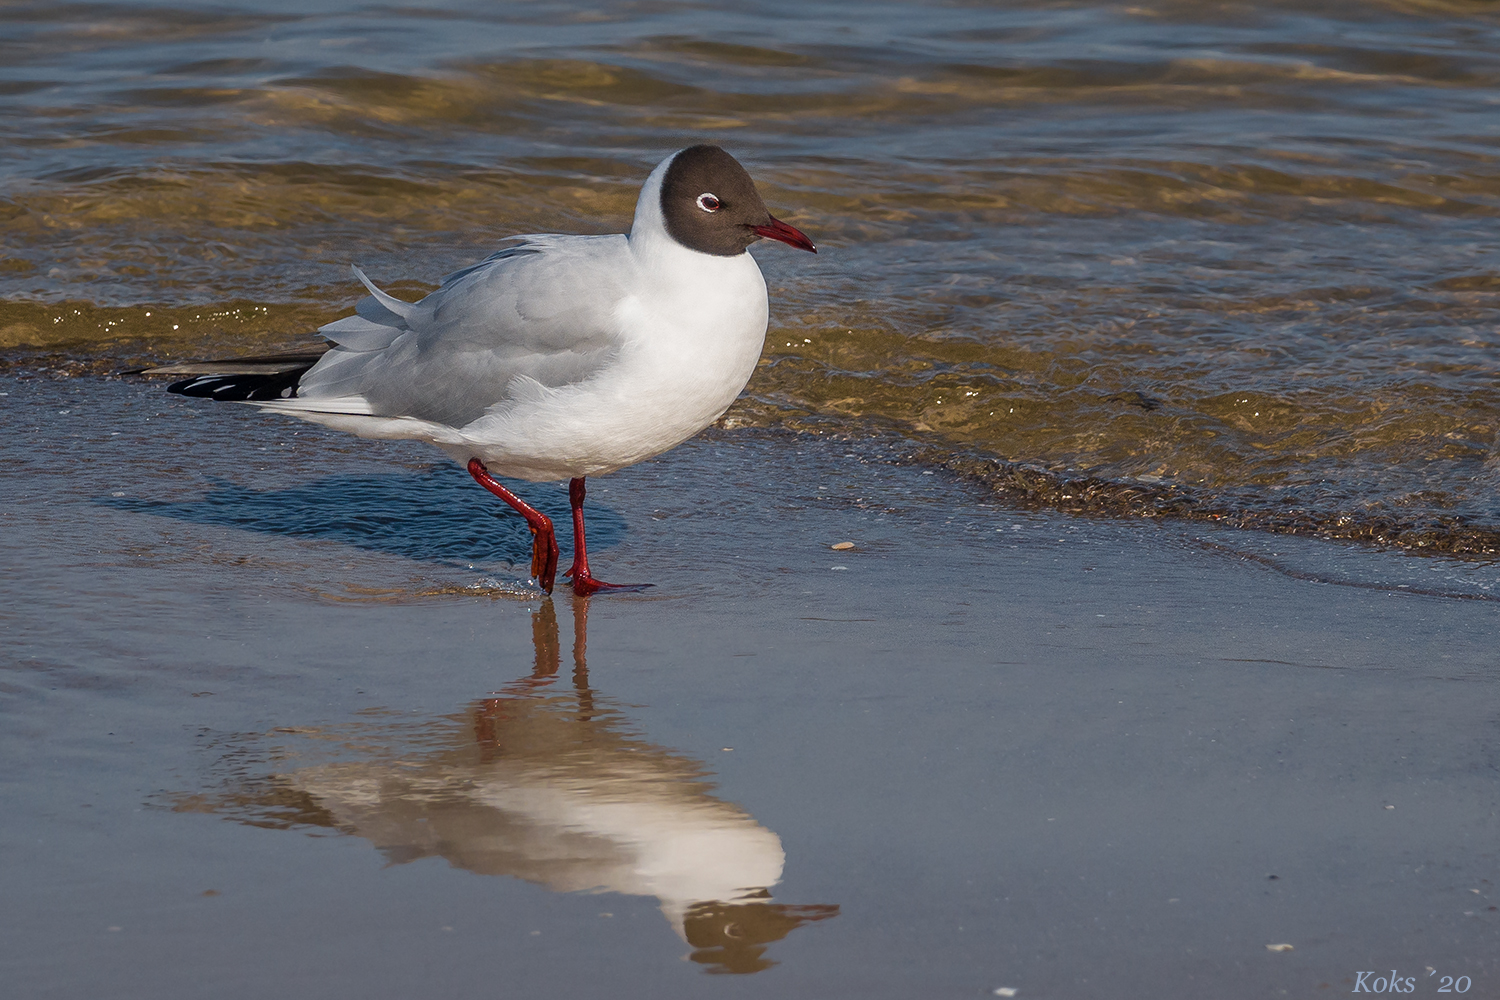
x=542 y=310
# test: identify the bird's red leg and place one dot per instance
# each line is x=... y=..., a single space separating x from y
x=584 y=583
x=543 y=539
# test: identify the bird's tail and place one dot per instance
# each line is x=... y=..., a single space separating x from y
x=272 y=376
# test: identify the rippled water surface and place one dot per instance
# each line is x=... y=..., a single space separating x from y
x=1225 y=260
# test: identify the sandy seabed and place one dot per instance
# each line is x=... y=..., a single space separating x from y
x=280 y=716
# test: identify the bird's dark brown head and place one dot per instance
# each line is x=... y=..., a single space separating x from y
x=710 y=205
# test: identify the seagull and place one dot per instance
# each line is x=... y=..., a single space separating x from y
x=557 y=357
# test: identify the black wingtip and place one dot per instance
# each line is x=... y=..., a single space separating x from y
x=240 y=388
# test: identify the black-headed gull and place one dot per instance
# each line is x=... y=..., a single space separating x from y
x=558 y=357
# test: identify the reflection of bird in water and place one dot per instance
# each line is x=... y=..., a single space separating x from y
x=550 y=786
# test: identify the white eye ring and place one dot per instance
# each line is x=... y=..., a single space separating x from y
x=708 y=202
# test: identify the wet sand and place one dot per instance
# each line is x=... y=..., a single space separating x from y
x=280 y=717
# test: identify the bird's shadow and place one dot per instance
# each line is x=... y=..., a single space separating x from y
x=438 y=516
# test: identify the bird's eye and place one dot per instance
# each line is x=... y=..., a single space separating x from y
x=708 y=202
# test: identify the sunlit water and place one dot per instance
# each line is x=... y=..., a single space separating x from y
x=1225 y=260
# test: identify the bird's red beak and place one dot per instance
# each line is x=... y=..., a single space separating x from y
x=790 y=235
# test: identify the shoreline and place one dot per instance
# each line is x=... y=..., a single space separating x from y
x=1015 y=484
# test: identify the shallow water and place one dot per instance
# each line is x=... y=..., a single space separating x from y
x=1235 y=261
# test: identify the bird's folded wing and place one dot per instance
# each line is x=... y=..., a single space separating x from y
x=543 y=310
